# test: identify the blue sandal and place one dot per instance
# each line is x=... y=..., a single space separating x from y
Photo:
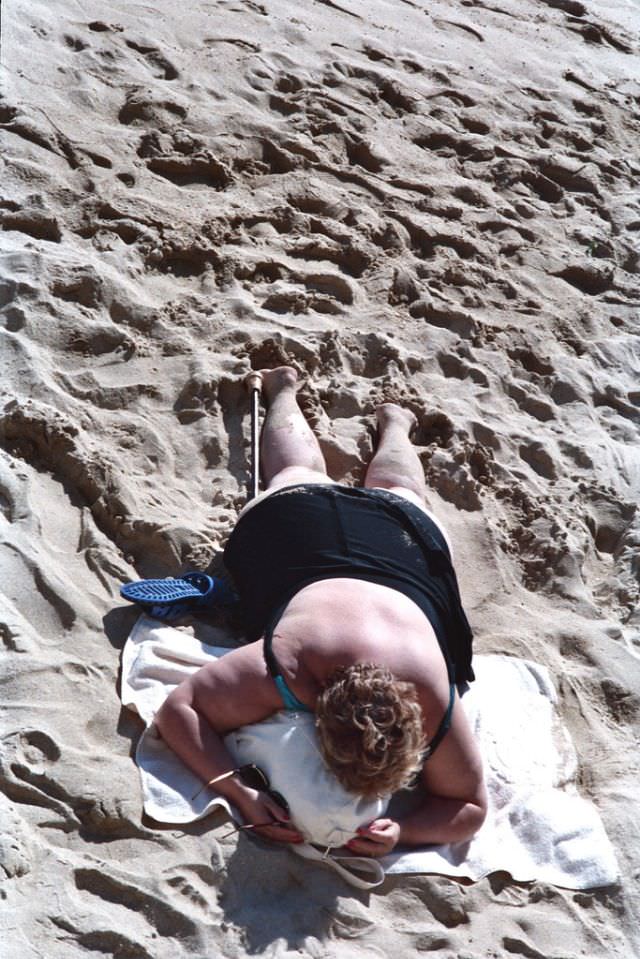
x=172 y=598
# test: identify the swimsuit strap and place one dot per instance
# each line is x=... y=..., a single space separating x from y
x=288 y=697
x=444 y=726
x=272 y=663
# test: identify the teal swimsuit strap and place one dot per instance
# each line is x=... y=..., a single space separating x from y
x=289 y=699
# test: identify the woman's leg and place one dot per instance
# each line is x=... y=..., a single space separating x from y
x=396 y=461
x=290 y=452
x=396 y=465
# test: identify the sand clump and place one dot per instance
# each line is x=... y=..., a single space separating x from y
x=433 y=203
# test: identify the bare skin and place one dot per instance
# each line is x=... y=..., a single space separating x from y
x=327 y=624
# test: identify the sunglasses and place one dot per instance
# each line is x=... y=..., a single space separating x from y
x=253 y=777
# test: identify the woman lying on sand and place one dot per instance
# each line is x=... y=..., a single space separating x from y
x=353 y=613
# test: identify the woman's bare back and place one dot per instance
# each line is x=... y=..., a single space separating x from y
x=340 y=622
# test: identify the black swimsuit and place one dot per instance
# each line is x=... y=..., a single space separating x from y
x=306 y=533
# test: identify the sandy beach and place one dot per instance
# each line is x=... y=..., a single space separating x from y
x=431 y=203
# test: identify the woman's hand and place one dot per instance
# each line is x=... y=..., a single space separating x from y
x=267 y=819
x=376 y=839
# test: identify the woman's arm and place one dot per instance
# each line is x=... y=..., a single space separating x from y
x=440 y=820
x=232 y=692
x=436 y=821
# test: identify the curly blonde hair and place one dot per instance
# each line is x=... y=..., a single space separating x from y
x=369 y=728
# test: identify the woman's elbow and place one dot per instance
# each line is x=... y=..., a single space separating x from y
x=476 y=814
x=164 y=718
x=479 y=814
x=169 y=714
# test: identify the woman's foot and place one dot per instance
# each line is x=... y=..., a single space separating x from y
x=390 y=414
x=276 y=380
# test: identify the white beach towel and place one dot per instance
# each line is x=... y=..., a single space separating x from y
x=537 y=828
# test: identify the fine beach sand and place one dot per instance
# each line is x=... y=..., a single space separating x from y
x=434 y=203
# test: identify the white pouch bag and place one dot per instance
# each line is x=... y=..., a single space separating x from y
x=285 y=747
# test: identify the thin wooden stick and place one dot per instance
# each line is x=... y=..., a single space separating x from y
x=253 y=383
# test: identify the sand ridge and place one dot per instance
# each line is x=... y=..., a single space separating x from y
x=432 y=203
